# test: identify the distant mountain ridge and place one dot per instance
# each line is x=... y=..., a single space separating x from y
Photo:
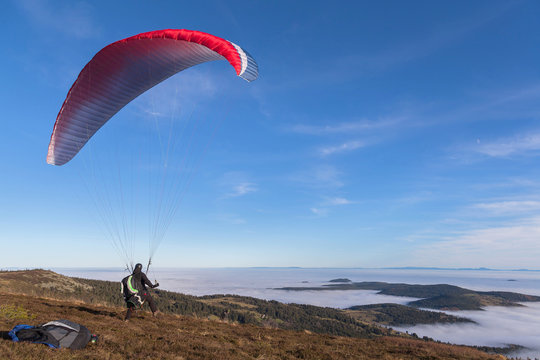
x=439 y=296
x=454 y=269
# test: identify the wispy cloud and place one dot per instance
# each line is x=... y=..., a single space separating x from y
x=431 y=41
x=336 y=201
x=342 y=148
x=504 y=98
x=514 y=182
x=510 y=102
x=525 y=143
x=323 y=208
x=517 y=145
x=508 y=207
x=242 y=189
x=319 y=211
x=345 y=127
x=232 y=219
x=237 y=184
x=73 y=18
x=340 y=131
x=319 y=177
x=416 y=198
x=403 y=51
x=511 y=245
x=327 y=175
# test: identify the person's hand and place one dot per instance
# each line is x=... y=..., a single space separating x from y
x=155 y=285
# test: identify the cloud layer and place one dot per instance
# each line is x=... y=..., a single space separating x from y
x=495 y=247
x=517 y=145
x=496 y=326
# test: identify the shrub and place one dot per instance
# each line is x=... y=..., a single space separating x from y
x=12 y=312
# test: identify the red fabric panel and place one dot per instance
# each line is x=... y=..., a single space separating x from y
x=217 y=44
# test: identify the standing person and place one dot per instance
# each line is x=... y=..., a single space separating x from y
x=136 y=293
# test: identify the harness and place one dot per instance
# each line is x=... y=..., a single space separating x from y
x=131 y=293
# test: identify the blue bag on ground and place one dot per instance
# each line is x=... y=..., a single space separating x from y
x=56 y=334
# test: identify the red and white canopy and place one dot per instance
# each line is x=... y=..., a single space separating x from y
x=125 y=69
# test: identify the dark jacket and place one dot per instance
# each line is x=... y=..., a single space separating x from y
x=141 y=278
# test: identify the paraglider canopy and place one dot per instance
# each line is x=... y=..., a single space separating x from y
x=123 y=70
x=115 y=76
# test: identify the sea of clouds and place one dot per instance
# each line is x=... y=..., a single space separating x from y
x=496 y=326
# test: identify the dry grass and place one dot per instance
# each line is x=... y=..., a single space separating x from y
x=28 y=281
x=179 y=337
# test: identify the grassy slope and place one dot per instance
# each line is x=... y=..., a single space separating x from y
x=233 y=308
x=240 y=309
x=181 y=337
x=38 y=296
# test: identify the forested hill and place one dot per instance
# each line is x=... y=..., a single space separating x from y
x=360 y=322
x=440 y=296
x=238 y=309
x=399 y=315
x=218 y=327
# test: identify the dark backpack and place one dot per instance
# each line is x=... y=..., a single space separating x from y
x=56 y=334
x=132 y=291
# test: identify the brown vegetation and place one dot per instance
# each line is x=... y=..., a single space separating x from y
x=24 y=300
x=180 y=337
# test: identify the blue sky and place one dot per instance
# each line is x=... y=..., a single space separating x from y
x=378 y=134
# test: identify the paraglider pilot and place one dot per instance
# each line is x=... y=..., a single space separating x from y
x=134 y=288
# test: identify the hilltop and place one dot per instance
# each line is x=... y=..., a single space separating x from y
x=218 y=327
x=399 y=315
x=440 y=296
